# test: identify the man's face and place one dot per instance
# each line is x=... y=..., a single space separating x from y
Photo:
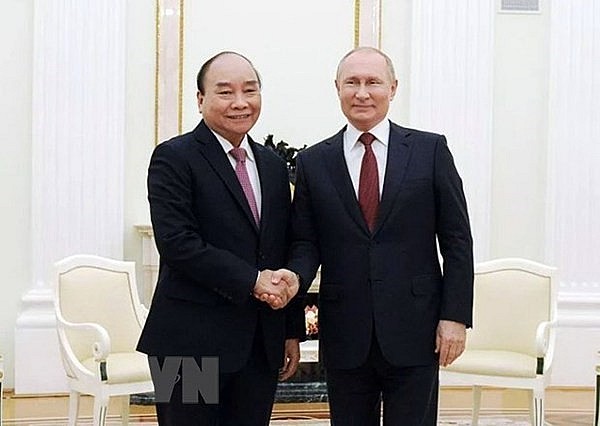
x=365 y=89
x=231 y=103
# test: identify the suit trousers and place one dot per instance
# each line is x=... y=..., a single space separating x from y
x=409 y=394
x=245 y=397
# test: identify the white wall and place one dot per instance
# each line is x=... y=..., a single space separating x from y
x=15 y=168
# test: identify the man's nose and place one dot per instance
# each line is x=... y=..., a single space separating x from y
x=239 y=100
x=362 y=92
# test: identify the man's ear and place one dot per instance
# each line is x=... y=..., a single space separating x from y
x=200 y=98
x=394 y=87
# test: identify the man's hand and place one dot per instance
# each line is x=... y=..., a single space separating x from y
x=265 y=290
x=284 y=286
x=289 y=278
x=450 y=341
x=291 y=359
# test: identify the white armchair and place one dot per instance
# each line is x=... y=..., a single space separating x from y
x=512 y=341
x=99 y=320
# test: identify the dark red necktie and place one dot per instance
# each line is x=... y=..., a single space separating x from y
x=368 y=186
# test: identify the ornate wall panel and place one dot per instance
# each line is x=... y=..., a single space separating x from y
x=574 y=155
x=451 y=93
x=78 y=140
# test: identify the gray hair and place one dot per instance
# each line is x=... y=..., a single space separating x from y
x=388 y=61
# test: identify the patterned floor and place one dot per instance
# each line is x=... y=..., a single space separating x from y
x=566 y=407
x=571 y=419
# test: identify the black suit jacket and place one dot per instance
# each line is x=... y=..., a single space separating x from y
x=389 y=282
x=210 y=253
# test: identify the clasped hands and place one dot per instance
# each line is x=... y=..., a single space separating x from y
x=276 y=288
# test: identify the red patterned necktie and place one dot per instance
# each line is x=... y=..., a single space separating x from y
x=242 y=174
x=368 y=186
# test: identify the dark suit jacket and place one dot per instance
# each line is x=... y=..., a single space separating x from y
x=389 y=282
x=211 y=251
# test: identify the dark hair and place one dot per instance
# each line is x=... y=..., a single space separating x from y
x=204 y=69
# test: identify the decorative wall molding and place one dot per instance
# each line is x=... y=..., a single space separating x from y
x=78 y=140
x=574 y=153
x=150 y=263
x=579 y=308
x=577 y=339
x=367 y=23
x=451 y=93
x=168 y=108
x=78 y=131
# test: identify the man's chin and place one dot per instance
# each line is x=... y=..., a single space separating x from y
x=362 y=123
x=242 y=126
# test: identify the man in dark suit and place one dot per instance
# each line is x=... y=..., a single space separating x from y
x=219 y=205
x=369 y=205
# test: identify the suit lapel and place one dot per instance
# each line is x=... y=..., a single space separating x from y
x=338 y=171
x=398 y=157
x=213 y=152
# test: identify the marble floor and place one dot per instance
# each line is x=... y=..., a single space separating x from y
x=565 y=407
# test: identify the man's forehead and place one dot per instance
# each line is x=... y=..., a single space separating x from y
x=370 y=61
x=363 y=65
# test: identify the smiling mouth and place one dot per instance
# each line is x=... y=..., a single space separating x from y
x=239 y=116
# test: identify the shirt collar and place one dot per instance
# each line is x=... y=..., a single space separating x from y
x=227 y=146
x=381 y=131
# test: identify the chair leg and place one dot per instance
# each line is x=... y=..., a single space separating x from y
x=531 y=407
x=476 y=405
x=536 y=406
x=100 y=410
x=73 y=407
x=125 y=410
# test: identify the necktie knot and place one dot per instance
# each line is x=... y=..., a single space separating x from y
x=366 y=139
x=239 y=154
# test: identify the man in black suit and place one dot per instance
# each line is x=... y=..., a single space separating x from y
x=370 y=203
x=220 y=205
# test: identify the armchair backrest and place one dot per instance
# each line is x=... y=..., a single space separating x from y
x=511 y=298
x=98 y=290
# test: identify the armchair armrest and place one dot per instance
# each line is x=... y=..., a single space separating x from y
x=101 y=346
x=143 y=312
x=541 y=337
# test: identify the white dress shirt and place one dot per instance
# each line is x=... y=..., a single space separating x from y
x=250 y=165
x=354 y=151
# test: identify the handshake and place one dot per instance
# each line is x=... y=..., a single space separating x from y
x=276 y=288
